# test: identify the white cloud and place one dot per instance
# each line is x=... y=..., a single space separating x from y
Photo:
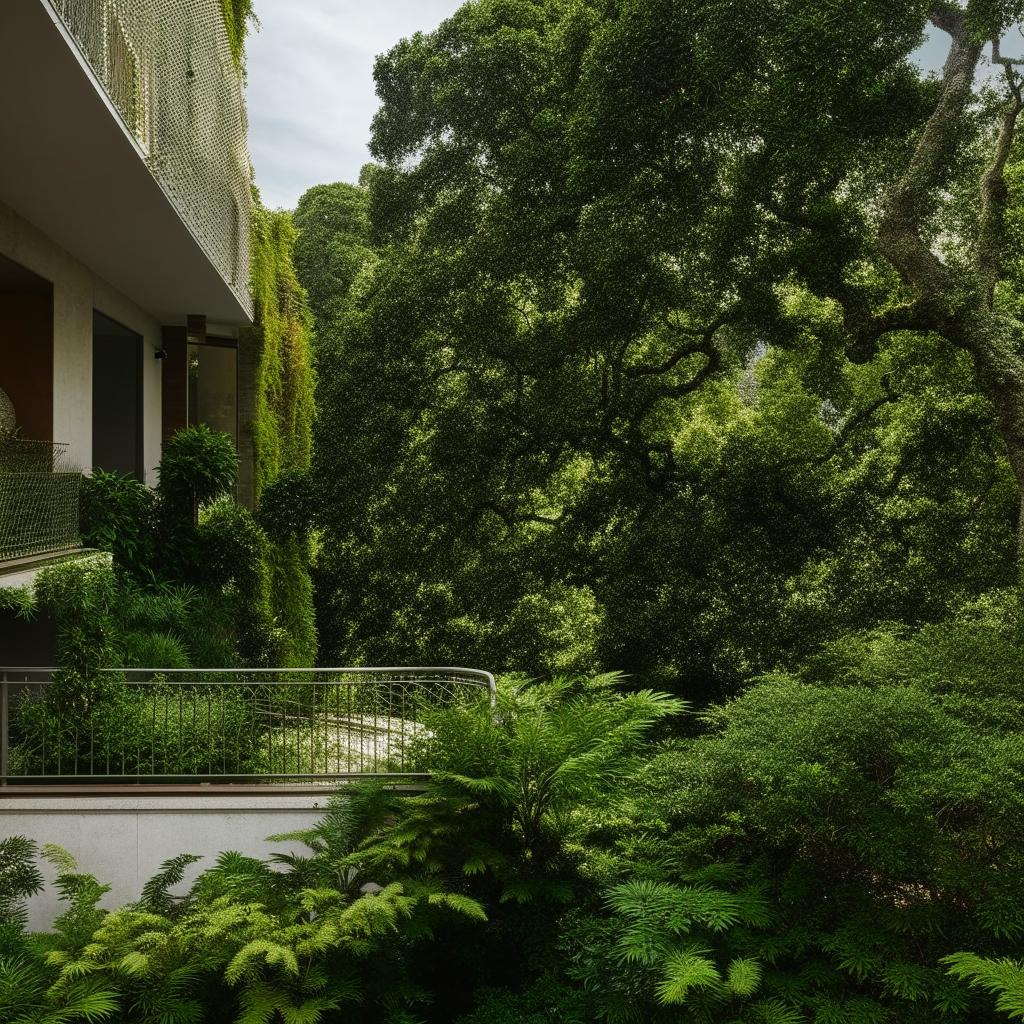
x=311 y=93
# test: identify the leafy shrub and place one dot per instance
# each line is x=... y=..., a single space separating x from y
x=233 y=548
x=1004 y=978
x=19 y=879
x=138 y=731
x=117 y=516
x=291 y=595
x=77 y=589
x=153 y=650
x=287 y=506
x=80 y=596
x=234 y=556
x=198 y=466
x=834 y=839
x=19 y=601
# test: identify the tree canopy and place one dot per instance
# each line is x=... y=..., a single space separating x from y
x=620 y=365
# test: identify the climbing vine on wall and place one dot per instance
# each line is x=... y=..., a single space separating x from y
x=238 y=15
x=283 y=415
x=282 y=420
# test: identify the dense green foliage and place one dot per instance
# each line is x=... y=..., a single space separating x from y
x=684 y=339
x=246 y=942
x=194 y=578
x=238 y=15
x=282 y=418
x=116 y=515
x=283 y=385
x=197 y=466
x=673 y=339
x=556 y=338
x=823 y=851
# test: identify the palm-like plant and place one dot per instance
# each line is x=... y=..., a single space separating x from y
x=1004 y=978
x=507 y=781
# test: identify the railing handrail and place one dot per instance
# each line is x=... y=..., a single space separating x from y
x=476 y=676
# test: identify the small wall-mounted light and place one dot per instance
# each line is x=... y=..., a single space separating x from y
x=160 y=353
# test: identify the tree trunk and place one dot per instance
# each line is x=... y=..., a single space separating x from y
x=996 y=343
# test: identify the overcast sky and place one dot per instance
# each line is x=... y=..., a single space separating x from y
x=311 y=95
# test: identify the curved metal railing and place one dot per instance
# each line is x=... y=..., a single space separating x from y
x=176 y=726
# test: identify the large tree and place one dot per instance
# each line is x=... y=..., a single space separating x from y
x=631 y=356
x=651 y=172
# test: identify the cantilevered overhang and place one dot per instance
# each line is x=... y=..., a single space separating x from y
x=69 y=165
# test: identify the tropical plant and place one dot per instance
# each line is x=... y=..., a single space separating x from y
x=117 y=516
x=248 y=941
x=1004 y=978
x=198 y=466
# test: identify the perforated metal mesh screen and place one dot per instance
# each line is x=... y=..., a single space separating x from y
x=167 y=67
x=38 y=498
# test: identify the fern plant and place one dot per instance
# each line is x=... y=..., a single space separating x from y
x=19 y=879
x=298 y=939
x=516 y=778
x=1004 y=978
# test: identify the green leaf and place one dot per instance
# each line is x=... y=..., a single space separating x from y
x=685 y=970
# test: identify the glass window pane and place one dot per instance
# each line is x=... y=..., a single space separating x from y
x=213 y=388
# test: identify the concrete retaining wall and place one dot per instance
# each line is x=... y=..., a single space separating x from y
x=123 y=840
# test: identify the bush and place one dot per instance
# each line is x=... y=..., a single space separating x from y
x=133 y=730
x=205 y=561
x=287 y=506
x=80 y=596
x=234 y=555
x=199 y=465
x=154 y=650
x=295 y=940
x=117 y=516
x=825 y=845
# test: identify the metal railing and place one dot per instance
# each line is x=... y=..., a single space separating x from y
x=39 y=490
x=172 y=726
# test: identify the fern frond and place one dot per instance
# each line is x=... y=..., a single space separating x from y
x=465 y=905
x=775 y=1011
x=686 y=970
x=247 y=959
x=743 y=977
x=156 y=897
x=1004 y=978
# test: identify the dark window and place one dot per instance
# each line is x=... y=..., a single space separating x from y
x=116 y=398
x=213 y=386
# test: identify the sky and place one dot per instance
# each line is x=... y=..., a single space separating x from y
x=311 y=95
x=310 y=91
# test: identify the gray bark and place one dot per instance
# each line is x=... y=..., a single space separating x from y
x=962 y=306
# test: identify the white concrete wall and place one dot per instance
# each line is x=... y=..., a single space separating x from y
x=77 y=291
x=123 y=840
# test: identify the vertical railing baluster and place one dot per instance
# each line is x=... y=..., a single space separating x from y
x=5 y=753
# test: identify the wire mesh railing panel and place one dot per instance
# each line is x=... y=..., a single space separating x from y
x=38 y=498
x=149 y=725
x=167 y=67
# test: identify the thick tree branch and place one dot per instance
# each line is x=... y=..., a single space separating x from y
x=901 y=232
x=858 y=419
x=703 y=345
x=512 y=519
x=991 y=229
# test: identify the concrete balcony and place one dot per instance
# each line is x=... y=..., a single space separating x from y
x=158 y=208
